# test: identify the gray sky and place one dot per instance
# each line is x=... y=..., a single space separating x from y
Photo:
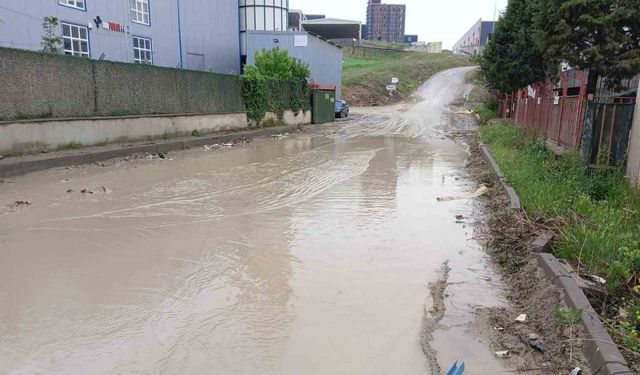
x=432 y=20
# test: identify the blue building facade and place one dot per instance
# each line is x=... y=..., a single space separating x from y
x=189 y=34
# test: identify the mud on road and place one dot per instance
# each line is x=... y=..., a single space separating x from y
x=318 y=252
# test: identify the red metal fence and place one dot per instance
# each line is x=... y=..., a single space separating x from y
x=558 y=119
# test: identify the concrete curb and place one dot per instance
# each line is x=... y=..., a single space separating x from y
x=600 y=349
x=602 y=353
x=542 y=243
x=21 y=167
x=511 y=192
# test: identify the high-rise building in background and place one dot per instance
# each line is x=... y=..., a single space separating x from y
x=385 y=22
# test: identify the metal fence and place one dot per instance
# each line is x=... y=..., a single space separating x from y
x=558 y=119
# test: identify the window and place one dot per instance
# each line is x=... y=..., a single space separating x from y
x=142 y=53
x=140 y=11
x=78 y=4
x=75 y=40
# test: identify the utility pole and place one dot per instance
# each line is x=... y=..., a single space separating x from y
x=633 y=163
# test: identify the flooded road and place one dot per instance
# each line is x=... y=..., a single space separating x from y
x=315 y=254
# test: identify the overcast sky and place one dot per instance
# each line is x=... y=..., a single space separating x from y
x=432 y=20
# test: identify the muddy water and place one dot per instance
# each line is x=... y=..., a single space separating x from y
x=315 y=254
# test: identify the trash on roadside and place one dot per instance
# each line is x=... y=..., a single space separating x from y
x=1 y=157
x=576 y=371
x=278 y=136
x=521 y=318
x=162 y=155
x=533 y=344
x=498 y=328
x=598 y=279
x=482 y=190
x=211 y=147
x=455 y=369
x=503 y=354
x=464 y=112
x=227 y=144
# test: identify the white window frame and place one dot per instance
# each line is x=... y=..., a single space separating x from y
x=72 y=4
x=140 y=60
x=78 y=39
x=137 y=12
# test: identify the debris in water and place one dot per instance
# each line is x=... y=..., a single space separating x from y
x=162 y=155
x=227 y=144
x=98 y=190
x=211 y=147
x=69 y=190
x=20 y=203
x=459 y=217
x=498 y=328
x=598 y=279
x=503 y=354
x=278 y=136
x=576 y=371
x=1 y=157
x=456 y=369
x=482 y=190
x=521 y=318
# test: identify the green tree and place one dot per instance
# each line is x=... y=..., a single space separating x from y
x=50 y=40
x=600 y=35
x=511 y=60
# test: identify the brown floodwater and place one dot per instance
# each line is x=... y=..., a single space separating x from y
x=313 y=254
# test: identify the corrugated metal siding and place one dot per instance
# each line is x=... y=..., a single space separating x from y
x=324 y=58
x=209 y=28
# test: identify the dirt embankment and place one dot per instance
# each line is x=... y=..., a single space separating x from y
x=366 y=74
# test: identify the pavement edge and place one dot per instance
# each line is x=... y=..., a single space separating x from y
x=511 y=192
x=602 y=352
x=19 y=168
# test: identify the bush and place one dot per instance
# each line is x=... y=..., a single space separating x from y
x=277 y=82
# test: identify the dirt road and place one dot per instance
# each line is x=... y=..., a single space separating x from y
x=319 y=253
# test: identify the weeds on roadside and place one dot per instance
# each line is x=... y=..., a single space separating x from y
x=567 y=317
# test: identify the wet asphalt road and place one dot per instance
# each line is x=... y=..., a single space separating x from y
x=313 y=254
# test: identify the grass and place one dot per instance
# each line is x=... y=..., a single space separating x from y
x=365 y=77
x=598 y=209
x=70 y=146
x=596 y=212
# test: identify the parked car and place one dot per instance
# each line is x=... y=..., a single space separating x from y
x=342 y=109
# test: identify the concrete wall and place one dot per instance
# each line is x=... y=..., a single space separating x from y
x=32 y=136
x=324 y=58
x=36 y=85
x=203 y=22
x=633 y=162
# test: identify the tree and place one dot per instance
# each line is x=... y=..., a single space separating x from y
x=511 y=60
x=600 y=35
x=50 y=40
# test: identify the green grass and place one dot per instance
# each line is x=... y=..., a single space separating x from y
x=70 y=146
x=369 y=75
x=599 y=214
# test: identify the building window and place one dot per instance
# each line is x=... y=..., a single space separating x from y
x=142 y=53
x=78 y=4
x=140 y=11
x=75 y=40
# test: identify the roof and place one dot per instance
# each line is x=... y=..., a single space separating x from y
x=330 y=21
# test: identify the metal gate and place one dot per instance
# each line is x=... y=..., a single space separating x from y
x=324 y=106
x=605 y=136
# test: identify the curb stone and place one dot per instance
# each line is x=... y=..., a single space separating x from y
x=542 y=243
x=513 y=196
x=602 y=353
x=18 y=167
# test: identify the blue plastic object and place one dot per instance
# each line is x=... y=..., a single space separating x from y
x=456 y=369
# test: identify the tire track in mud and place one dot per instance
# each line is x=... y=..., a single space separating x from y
x=433 y=316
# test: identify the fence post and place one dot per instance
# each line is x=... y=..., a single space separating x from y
x=633 y=163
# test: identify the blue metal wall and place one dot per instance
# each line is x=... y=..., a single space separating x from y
x=324 y=58
x=209 y=30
